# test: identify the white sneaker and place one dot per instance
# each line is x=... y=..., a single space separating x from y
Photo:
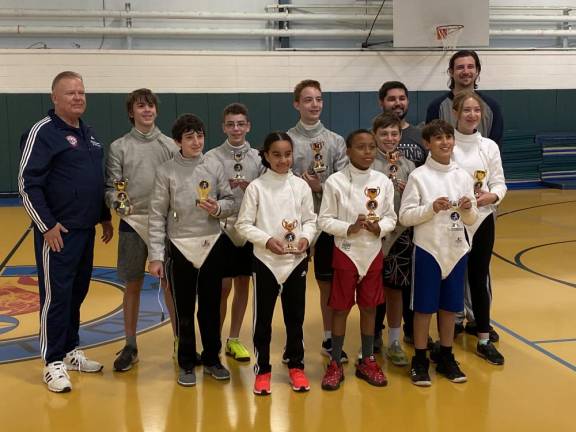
x=56 y=376
x=76 y=360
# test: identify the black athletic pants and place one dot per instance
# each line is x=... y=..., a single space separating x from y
x=187 y=282
x=479 y=273
x=293 y=296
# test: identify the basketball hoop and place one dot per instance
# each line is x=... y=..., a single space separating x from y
x=449 y=34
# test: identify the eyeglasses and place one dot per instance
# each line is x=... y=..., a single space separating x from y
x=238 y=124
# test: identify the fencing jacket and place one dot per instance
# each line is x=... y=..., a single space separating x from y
x=405 y=167
x=61 y=175
x=251 y=168
x=434 y=232
x=173 y=211
x=135 y=157
x=474 y=152
x=344 y=199
x=333 y=153
x=268 y=201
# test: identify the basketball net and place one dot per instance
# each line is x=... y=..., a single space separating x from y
x=449 y=35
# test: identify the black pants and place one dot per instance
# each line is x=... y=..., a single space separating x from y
x=479 y=273
x=293 y=296
x=187 y=282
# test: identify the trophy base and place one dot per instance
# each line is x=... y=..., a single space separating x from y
x=239 y=177
x=319 y=170
x=291 y=250
x=373 y=218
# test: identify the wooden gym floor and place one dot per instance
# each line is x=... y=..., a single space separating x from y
x=534 y=278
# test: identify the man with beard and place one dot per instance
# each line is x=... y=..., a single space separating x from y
x=393 y=97
x=464 y=70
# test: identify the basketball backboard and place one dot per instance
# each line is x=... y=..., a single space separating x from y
x=415 y=22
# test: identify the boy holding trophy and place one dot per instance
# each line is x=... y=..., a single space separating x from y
x=191 y=194
x=241 y=164
x=131 y=160
x=358 y=210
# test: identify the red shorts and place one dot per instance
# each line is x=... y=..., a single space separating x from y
x=346 y=290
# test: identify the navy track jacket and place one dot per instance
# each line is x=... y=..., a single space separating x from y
x=61 y=177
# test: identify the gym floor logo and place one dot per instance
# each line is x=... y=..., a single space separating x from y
x=20 y=305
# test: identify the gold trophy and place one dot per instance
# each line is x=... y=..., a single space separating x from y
x=479 y=176
x=122 y=204
x=290 y=237
x=319 y=166
x=372 y=204
x=393 y=158
x=203 y=191
x=238 y=158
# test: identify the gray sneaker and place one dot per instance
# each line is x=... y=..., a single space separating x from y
x=217 y=371
x=187 y=378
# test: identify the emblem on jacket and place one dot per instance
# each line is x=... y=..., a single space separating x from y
x=72 y=140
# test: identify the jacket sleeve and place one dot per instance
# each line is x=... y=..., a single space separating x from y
x=388 y=220
x=497 y=129
x=412 y=212
x=340 y=158
x=226 y=202
x=35 y=164
x=157 y=216
x=114 y=163
x=246 y=222
x=328 y=217
x=309 y=227
x=496 y=180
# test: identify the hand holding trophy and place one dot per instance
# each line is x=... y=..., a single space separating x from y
x=122 y=204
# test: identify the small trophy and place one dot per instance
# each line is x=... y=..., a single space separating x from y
x=319 y=166
x=203 y=191
x=455 y=217
x=393 y=158
x=372 y=204
x=122 y=204
x=479 y=176
x=290 y=237
x=238 y=158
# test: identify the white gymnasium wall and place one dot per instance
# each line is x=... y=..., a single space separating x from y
x=23 y=71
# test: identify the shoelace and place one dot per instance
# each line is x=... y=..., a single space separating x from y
x=78 y=358
x=58 y=369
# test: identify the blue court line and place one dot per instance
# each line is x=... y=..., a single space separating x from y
x=536 y=346
x=553 y=341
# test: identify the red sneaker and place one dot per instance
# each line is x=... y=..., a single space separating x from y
x=370 y=371
x=262 y=384
x=333 y=377
x=298 y=380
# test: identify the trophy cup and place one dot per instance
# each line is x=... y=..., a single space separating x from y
x=319 y=166
x=122 y=204
x=238 y=158
x=290 y=237
x=455 y=217
x=203 y=191
x=479 y=176
x=372 y=204
x=393 y=158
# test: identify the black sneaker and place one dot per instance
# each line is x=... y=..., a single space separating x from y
x=126 y=358
x=490 y=353
x=471 y=329
x=458 y=329
x=326 y=350
x=448 y=367
x=419 y=373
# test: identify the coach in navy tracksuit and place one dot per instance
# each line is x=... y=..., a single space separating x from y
x=61 y=181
